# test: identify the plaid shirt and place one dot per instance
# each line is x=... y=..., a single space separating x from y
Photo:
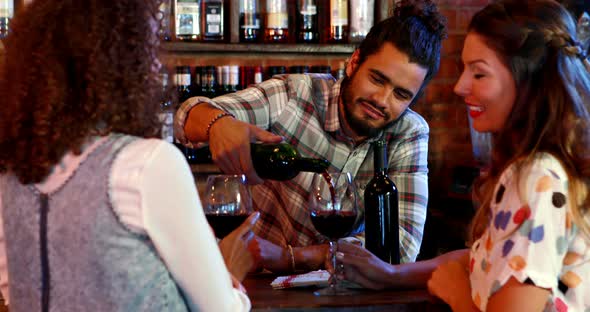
x=304 y=110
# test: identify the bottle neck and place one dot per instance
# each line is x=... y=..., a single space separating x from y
x=380 y=159
x=311 y=164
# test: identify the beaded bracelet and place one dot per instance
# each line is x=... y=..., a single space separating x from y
x=292 y=257
x=215 y=119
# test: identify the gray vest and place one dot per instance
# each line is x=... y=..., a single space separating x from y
x=68 y=251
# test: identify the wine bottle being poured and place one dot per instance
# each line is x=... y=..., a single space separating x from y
x=271 y=161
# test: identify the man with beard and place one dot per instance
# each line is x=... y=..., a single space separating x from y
x=335 y=120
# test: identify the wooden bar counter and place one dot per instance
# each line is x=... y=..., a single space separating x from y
x=264 y=298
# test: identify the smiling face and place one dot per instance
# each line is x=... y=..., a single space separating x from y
x=486 y=84
x=379 y=90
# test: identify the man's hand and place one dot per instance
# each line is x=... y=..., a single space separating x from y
x=229 y=143
x=234 y=248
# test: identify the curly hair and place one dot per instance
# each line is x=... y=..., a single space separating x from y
x=75 y=69
x=536 y=40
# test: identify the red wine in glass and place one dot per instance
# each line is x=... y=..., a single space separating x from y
x=333 y=224
x=224 y=224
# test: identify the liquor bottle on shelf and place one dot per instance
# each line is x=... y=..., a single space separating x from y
x=222 y=79
x=167 y=111
x=258 y=77
x=299 y=69
x=249 y=20
x=163 y=15
x=272 y=161
x=182 y=81
x=6 y=14
x=197 y=86
x=361 y=19
x=338 y=21
x=277 y=22
x=209 y=82
x=341 y=72
x=381 y=210
x=307 y=22
x=234 y=79
x=213 y=21
x=275 y=70
x=188 y=20
x=321 y=69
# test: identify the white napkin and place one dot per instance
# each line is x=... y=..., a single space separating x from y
x=313 y=278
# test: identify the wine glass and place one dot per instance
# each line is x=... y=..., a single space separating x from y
x=334 y=210
x=227 y=202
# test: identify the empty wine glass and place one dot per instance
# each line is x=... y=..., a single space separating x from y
x=227 y=202
x=334 y=210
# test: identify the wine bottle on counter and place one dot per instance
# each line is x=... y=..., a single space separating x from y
x=381 y=210
x=271 y=161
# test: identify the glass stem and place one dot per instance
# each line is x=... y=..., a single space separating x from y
x=333 y=278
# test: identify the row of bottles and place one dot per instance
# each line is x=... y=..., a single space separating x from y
x=6 y=14
x=268 y=20
x=212 y=81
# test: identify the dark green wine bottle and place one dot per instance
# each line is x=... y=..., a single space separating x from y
x=271 y=161
x=381 y=210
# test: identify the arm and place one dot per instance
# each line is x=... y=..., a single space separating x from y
x=364 y=268
x=174 y=220
x=229 y=138
x=409 y=171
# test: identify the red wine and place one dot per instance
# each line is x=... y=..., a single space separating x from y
x=225 y=224
x=381 y=211
x=328 y=179
x=333 y=225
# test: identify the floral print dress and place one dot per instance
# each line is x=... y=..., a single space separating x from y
x=531 y=237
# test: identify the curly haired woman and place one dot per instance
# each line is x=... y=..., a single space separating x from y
x=526 y=81
x=97 y=213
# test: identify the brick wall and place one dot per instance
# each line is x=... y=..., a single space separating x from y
x=450 y=139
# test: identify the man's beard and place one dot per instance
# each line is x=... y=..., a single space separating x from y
x=359 y=125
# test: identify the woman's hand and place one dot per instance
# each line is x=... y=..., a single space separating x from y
x=450 y=282
x=234 y=248
x=362 y=267
x=270 y=256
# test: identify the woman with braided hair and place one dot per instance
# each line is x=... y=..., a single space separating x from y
x=526 y=81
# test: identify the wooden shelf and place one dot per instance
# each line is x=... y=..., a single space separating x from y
x=220 y=48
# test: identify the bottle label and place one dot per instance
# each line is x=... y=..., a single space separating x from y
x=339 y=16
x=213 y=18
x=187 y=18
x=361 y=17
x=277 y=20
x=183 y=79
x=248 y=6
x=256 y=24
x=257 y=77
x=309 y=9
